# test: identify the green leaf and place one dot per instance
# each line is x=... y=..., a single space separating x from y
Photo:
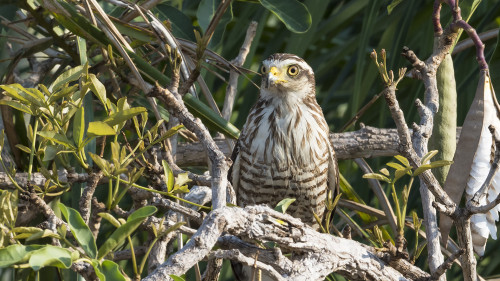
x=283 y=205
x=435 y=164
x=125 y=230
x=110 y=218
x=376 y=177
x=421 y=169
x=111 y=271
x=395 y=166
x=385 y=172
x=403 y=160
x=124 y=115
x=169 y=175
x=79 y=126
x=182 y=26
x=13 y=93
x=50 y=256
x=2 y=141
x=62 y=93
x=66 y=77
x=26 y=229
x=17 y=105
x=205 y=13
x=393 y=5
x=28 y=96
x=399 y=173
x=440 y=163
x=97 y=269
x=176 y=278
x=182 y=179
x=80 y=230
x=103 y=164
x=42 y=234
x=99 y=128
x=99 y=90
x=151 y=74
x=50 y=152
x=172 y=131
x=16 y=253
x=57 y=138
x=428 y=156
x=23 y=148
x=142 y=213
x=292 y=13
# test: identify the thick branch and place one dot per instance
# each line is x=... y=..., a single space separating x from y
x=320 y=254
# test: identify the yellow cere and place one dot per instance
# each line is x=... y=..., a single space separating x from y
x=276 y=73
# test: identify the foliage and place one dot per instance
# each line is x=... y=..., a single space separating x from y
x=88 y=112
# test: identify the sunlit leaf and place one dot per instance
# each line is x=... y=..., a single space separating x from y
x=393 y=5
x=283 y=205
x=403 y=160
x=376 y=177
x=99 y=128
x=98 y=89
x=110 y=218
x=124 y=115
x=57 y=138
x=66 y=77
x=427 y=157
x=79 y=126
x=125 y=230
x=169 y=175
x=17 y=105
x=422 y=169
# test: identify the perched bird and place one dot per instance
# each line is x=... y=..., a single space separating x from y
x=284 y=149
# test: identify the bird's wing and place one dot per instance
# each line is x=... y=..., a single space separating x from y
x=233 y=174
x=333 y=174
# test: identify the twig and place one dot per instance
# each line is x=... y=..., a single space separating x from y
x=436 y=18
x=219 y=165
x=163 y=203
x=477 y=41
x=221 y=9
x=360 y=112
x=379 y=192
x=467 y=43
x=212 y=272
x=446 y=265
x=87 y=194
x=233 y=74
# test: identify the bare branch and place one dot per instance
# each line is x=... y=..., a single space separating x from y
x=320 y=255
x=446 y=265
x=233 y=74
x=219 y=165
x=87 y=194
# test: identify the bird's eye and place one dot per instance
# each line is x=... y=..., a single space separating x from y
x=263 y=69
x=293 y=70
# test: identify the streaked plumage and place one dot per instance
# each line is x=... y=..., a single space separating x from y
x=284 y=149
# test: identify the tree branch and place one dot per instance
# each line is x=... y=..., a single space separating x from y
x=317 y=254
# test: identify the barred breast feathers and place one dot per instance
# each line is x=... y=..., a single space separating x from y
x=297 y=133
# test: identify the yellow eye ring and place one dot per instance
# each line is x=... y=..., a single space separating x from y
x=263 y=69
x=293 y=70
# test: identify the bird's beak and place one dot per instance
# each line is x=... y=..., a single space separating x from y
x=275 y=76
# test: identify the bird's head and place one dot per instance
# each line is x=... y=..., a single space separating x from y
x=287 y=74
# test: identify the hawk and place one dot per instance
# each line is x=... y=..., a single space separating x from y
x=284 y=149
